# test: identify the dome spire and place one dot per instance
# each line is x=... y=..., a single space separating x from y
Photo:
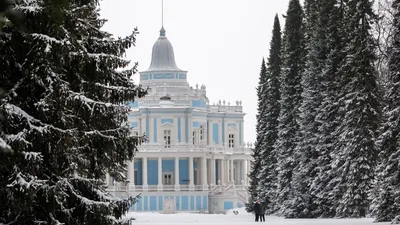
x=162 y=31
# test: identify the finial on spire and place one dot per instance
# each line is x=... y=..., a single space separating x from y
x=162 y=32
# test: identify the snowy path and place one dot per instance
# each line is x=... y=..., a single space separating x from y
x=241 y=219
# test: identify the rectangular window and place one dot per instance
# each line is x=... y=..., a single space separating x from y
x=231 y=140
x=194 y=137
x=167 y=179
x=167 y=138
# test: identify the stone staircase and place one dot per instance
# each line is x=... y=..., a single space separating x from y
x=232 y=193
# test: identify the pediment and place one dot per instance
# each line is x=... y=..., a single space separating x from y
x=167 y=124
x=231 y=128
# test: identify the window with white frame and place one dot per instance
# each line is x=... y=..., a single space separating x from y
x=201 y=133
x=167 y=178
x=231 y=140
x=167 y=138
x=194 y=137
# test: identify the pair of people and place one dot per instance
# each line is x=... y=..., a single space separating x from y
x=259 y=211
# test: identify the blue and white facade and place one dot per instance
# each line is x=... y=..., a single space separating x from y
x=194 y=159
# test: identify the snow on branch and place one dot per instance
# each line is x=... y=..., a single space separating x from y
x=4 y=146
x=22 y=182
x=99 y=133
x=49 y=40
x=34 y=156
x=31 y=6
x=87 y=101
x=83 y=199
x=18 y=137
x=114 y=88
x=55 y=221
x=98 y=56
x=32 y=122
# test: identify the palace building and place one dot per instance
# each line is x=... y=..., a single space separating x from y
x=194 y=159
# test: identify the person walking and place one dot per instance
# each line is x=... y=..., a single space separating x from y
x=257 y=210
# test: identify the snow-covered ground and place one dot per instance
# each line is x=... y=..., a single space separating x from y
x=243 y=218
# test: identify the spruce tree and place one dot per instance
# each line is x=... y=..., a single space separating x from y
x=357 y=148
x=292 y=68
x=260 y=128
x=267 y=176
x=324 y=183
x=303 y=203
x=388 y=200
x=65 y=117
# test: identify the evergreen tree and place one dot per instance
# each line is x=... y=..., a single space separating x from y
x=324 y=183
x=267 y=175
x=260 y=128
x=64 y=116
x=388 y=201
x=292 y=68
x=357 y=148
x=303 y=203
x=8 y=15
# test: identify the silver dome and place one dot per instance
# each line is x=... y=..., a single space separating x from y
x=163 y=58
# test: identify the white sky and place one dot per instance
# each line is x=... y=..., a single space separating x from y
x=219 y=42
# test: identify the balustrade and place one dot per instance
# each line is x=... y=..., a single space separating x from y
x=150 y=147
x=154 y=188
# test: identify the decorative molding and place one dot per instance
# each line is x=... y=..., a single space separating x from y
x=167 y=124
x=171 y=121
x=160 y=76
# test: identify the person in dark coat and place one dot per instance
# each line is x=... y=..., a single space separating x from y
x=257 y=210
x=262 y=213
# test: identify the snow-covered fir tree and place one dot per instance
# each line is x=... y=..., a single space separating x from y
x=303 y=203
x=255 y=166
x=293 y=55
x=388 y=200
x=360 y=96
x=330 y=30
x=65 y=117
x=267 y=176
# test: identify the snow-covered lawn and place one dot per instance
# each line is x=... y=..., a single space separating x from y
x=243 y=218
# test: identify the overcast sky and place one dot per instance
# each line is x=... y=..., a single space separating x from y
x=220 y=43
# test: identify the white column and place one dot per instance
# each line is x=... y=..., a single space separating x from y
x=231 y=171
x=222 y=171
x=131 y=174
x=237 y=168
x=248 y=170
x=160 y=184
x=227 y=170
x=204 y=172
x=212 y=171
x=244 y=164
x=144 y=169
x=239 y=171
x=176 y=175
x=191 y=174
